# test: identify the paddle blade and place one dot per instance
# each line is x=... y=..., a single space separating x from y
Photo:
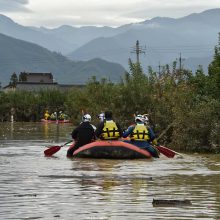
x=52 y=150
x=166 y=151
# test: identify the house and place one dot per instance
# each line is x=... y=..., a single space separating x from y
x=36 y=77
x=36 y=82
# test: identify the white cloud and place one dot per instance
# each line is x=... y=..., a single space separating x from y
x=13 y=5
x=53 y=13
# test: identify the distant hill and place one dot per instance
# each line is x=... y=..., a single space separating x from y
x=17 y=55
x=63 y=39
x=194 y=36
x=33 y=35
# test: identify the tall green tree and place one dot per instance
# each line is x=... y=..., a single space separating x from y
x=13 y=80
x=214 y=74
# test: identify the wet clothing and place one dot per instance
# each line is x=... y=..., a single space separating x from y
x=141 y=136
x=83 y=134
x=108 y=130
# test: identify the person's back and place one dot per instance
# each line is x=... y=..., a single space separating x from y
x=53 y=116
x=83 y=134
x=61 y=116
x=141 y=135
x=108 y=129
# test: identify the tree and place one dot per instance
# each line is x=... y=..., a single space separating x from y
x=13 y=80
x=214 y=74
x=23 y=77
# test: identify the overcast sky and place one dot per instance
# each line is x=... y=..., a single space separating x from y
x=53 y=13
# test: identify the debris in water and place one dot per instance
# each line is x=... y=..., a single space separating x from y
x=24 y=195
x=168 y=202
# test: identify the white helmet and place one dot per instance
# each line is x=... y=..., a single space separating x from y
x=139 y=118
x=146 y=119
x=101 y=116
x=86 y=118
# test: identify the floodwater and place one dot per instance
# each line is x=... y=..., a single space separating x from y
x=36 y=187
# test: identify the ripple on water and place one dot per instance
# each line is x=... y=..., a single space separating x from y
x=35 y=187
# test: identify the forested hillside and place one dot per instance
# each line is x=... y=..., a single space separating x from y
x=17 y=55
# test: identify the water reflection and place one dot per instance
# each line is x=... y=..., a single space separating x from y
x=28 y=131
x=46 y=130
x=35 y=187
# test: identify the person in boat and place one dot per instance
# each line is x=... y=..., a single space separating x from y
x=108 y=129
x=83 y=134
x=62 y=116
x=53 y=116
x=65 y=116
x=141 y=135
x=46 y=115
x=147 y=123
x=101 y=116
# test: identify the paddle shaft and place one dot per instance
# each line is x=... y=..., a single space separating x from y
x=164 y=150
x=164 y=131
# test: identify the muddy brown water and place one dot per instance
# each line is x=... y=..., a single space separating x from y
x=36 y=187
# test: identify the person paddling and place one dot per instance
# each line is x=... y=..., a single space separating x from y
x=108 y=129
x=83 y=134
x=141 y=135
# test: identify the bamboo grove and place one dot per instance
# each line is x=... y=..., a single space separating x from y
x=187 y=103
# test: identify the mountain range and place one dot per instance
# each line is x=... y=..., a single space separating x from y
x=18 y=56
x=162 y=41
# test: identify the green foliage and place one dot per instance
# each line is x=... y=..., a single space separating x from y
x=13 y=80
x=30 y=106
x=214 y=75
x=4 y=107
x=187 y=103
x=23 y=77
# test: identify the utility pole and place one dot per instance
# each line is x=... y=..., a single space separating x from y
x=138 y=50
x=219 y=39
x=180 y=62
x=159 y=68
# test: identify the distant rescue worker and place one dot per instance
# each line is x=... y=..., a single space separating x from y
x=46 y=115
x=108 y=129
x=53 y=116
x=141 y=135
x=101 y=116
x=61 y=115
